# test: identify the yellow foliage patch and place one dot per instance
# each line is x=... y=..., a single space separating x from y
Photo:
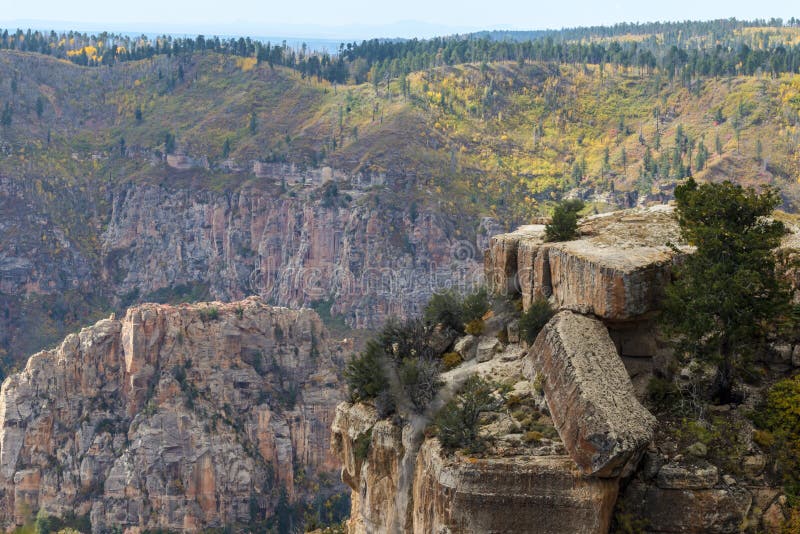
x=91 y=52
x=246 y=63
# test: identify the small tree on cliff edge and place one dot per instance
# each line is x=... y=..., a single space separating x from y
x=564 y=225
x=727 y=295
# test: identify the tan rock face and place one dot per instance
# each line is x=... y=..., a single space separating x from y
x=292 y=251
x=686 y=511
x=501 y=259
x=371 y=452
x=591 y=398
x=184 y=417
x=617 y=270
x=611 y=284
x=540 y=494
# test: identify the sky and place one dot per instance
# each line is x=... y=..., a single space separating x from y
x=365 y=18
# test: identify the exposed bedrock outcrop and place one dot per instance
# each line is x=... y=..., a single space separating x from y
x=617 y=270
x=371 y=263
x=543 y=494
x=371 y=452
x=514 y=485
x=671 y=510
x=538 y=494
x=590 y=395
x=182 y=418
x=591 y=362
x=366 y=253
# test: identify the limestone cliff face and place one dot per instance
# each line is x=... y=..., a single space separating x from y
x=182 y=417
x=586 y=371
x=363 y=249
x=372 y=262
x=514 y=486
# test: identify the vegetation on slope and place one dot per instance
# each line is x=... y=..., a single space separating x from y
x=500 y=138
x=483 y=138
x=684 y=49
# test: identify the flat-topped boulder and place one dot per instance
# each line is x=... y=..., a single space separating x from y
x=609 y=282
x=616 y=270
x=592 y=402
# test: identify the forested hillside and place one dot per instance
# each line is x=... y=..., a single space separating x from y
x=425 y=136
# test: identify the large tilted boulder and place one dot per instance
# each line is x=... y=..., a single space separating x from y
x=537 y=495
x=603 y=427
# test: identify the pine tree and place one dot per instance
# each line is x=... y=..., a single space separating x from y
x=564 y=225
x=253 y=125
x=727 y=296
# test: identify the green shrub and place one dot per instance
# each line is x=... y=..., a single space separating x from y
x=722 y=437
x=45 y=524
x=663 y=394
x=451 y=360
x=445 y=308
x=210 y=313
x=512 y=401
x=533 y=320
x=764 y=439
x=564 y=225
x=419 y=378
x=474 y=306
x=474 y=327
x=406 y=340
x=364 y=374
x=457 y=422
x=779 y=423
x=362 y=444
x=454 y=311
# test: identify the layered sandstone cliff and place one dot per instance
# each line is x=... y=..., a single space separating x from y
x=175 y=417
x=515 y=485
x=366 y=252
x=616 y=271
x=586 y=371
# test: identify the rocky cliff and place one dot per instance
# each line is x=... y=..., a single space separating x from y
x=585 y=376
x=176 y=417
x=352 y=249
x=517 y=485
x=370 y=263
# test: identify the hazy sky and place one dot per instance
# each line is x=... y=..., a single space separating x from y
x=324 y=16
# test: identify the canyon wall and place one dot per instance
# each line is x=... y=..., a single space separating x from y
x=585 y=375
x=176 y=417
x=359 y=252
